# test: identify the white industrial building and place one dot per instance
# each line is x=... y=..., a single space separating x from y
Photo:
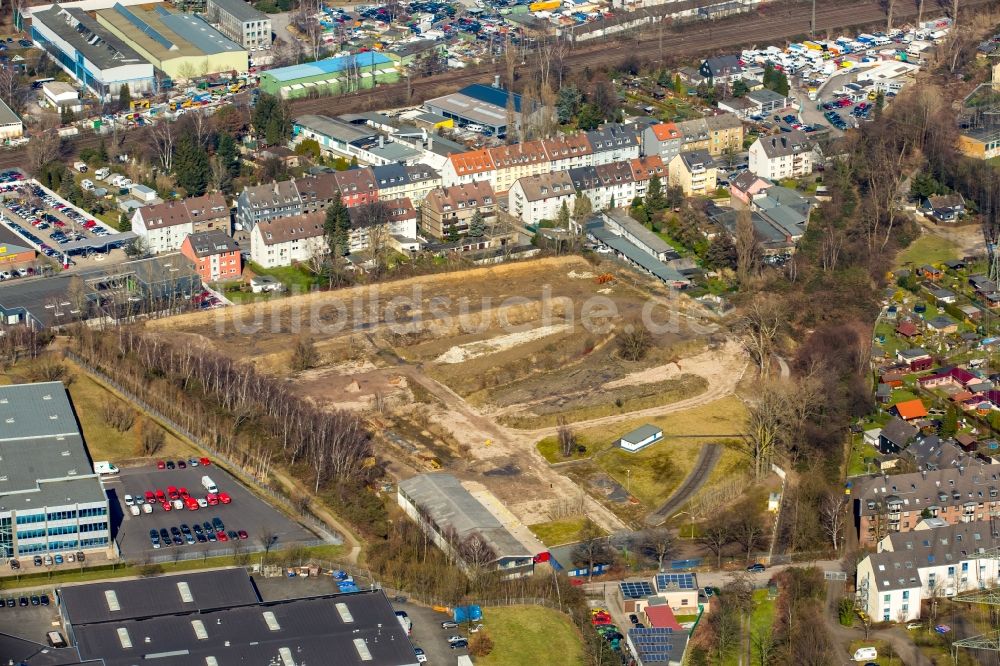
x=90 y=53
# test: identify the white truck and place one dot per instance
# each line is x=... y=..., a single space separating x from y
x=102 y=173
x=209 y=485
x=404 y=621
x=80 y=166
x=104 y=468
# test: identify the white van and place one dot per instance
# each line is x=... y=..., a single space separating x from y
x=102 y=173
x=87 y=185
x=866 y=654
x=104 y=468
x=209 y=485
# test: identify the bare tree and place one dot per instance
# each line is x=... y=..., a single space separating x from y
x=593 y=548
x=162 y=138
x=656 y=543
x=634 y=341
x=153 y=438
x=762 y=321
x=476 y=553
x=764 y=644
x=832 y=516
x=267 y=538
x=43 y=148
x=566 y=437
x=748 y=529
x=304 y=354
x=715 y=536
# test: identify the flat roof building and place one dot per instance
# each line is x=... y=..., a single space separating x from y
x=90 y=53
x=477 y=105
x=241 y=22
x=183 y=46
x=330 y=76
x=50 y=498
x=442 y=506
x=217 y=618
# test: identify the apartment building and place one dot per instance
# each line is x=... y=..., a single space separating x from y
x=606 y=185
x=568 y=151
x=448 y=211
x=887 y=504
x=935 y=560
x=165 y=226
x=786 y=155
x=694 y=173
x=399 y=228
x=469 y=167
x=357 y=187
x=241 y=22
x=614 y=143
x=399 y=181
x=51 y=500
x=718 y=134
x=287 y=240
x=518 y=160
x=215 y=255
x=644 y=169
x=663 y=139
x=267 y=202
x=536 y=198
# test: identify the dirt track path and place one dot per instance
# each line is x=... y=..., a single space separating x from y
x=494 y=446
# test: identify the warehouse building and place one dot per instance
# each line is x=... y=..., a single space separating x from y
x=330 y=76
x=11 y=125
x=90 y=53
x=50 y=498
x=454 y=518
x=478 y=104
x=182 y=46
x=241 y=22
x=218 y=618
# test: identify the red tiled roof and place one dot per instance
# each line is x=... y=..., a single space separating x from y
x=666 y=131
x=473 y=161
x=662 y=617
x=911 y=409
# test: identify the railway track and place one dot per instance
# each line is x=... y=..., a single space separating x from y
x=767 y=24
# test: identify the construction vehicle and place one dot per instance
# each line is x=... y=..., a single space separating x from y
x=604 y=278
x=138 y=104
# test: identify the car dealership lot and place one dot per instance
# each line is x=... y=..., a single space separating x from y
x=245 y=512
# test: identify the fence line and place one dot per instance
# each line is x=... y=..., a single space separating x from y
x=277 y=497
x=179 y=553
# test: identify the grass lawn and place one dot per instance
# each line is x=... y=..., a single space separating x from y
x=549 y=448
x=653 y=473
x=294 y=277
x=928 y=249
x=558 y=532
x=529 y=635
x=859 y=451
x=104 y=442
x=761 y=618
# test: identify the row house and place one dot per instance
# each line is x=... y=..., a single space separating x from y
x=267 y=202
x=936 y=560
x=398 y=181
x=316 y=193
x=606 y=185
x=663 y=139
x=518 y=160
x=887 y=504
x=400 y=223
x=165 y=226
x=287 y=240
x=718 y=134
x=537 y=198
x=448 y=211
x=468 y=167
x=614 y=143
x=568 y=151
x=357 y=187
x=643 y=170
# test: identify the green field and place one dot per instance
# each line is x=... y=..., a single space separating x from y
x=530 y=636
x=927 y=249
x=558 y=532
x=295 y=278
x=761 y=618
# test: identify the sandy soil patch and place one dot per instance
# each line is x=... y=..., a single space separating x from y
x=712 y=364
x=471 y=350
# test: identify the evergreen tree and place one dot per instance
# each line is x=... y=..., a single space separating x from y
x=655 y=199
x=228 y=155
x=563 y=216
x=568 y=103
x=679 y=89
x=66 y=116
x=477 y=228
x=124 y=98
x=775 y=80
x=721 y=252
x=102 y=152
x=337 y=227
x=589 y=117
x=581 y=207
x=191 y=167
x=740 y=88
x=949 y=424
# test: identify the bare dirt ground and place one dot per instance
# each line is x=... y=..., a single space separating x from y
x=433 y=360
x=968 y=238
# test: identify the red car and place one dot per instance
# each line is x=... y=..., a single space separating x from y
x=166 y=506
x=204 y=462
x=212 y=499
x=183 y=492
x=243 y=534
x=150 y=497
x=225 y=498
x=172 y=492
x=221 y=535
x=160 y=464
x=160 y=497
x=191 y=503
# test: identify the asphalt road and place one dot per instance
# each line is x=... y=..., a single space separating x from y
x=707 y=459
x=246 y=512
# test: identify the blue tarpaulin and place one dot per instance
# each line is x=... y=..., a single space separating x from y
x=468 y=613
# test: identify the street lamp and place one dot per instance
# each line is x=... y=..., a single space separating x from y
x=691 y=516
x=628 y=481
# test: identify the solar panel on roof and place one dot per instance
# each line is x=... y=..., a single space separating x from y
x=636 y=589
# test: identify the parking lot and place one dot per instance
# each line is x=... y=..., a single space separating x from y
x=244 y=513
x=29 y=622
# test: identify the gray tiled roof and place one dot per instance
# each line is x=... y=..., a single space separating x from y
x=975 y=482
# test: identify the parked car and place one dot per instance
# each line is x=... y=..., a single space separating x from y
x=756 y=567
x=448 y=624
x=225 y=498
